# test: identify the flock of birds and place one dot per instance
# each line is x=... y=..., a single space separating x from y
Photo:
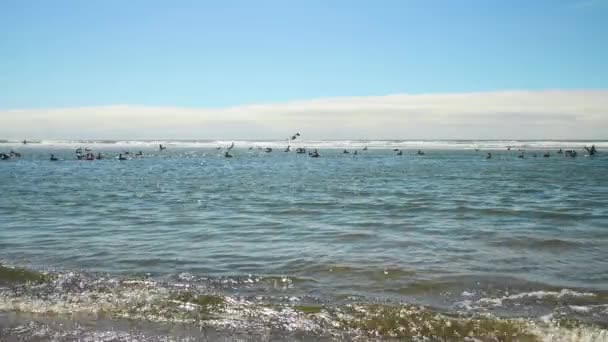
x=591 y=151
x=299 y=150
x=87 y=154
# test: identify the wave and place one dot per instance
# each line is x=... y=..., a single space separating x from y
x=191 y=301
x=335 y=144
x=564 y=300
x=538 y=243
x=562 y=295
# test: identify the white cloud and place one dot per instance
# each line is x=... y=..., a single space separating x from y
x=485 y=115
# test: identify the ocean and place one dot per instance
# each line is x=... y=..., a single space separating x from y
x=187 y=245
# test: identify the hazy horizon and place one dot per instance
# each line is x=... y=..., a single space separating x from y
x=519 y=115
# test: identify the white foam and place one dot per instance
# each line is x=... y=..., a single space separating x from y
x=535 y=294
x=580 y=308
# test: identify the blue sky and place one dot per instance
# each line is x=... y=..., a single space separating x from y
x=58 y=54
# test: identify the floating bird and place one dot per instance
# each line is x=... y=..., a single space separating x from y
x=591 y=150
x=345 y=152
x=53 y=158
x=489 y=156
x=120 y=157
x=400 y=153
x=420 y=153
x=365 y=148
x=267 y=150
x=227 y=154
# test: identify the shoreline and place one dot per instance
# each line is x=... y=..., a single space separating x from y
x=78 y=305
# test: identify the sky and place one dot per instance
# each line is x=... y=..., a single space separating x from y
x=339 y=69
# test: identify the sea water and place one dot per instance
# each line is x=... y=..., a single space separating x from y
x=187 y=244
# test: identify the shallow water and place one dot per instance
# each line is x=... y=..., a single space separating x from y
x=450 y=230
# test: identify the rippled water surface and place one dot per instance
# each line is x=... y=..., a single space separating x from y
x=450 y=229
